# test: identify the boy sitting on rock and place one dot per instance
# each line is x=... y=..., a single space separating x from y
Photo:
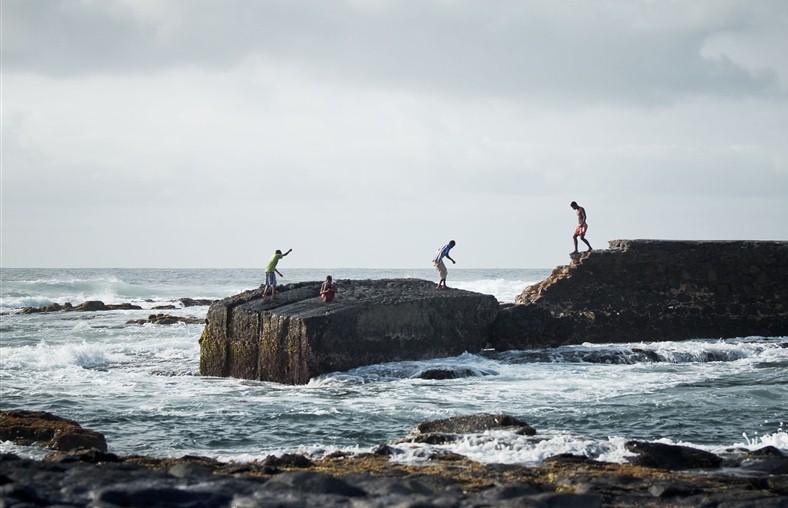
x=328 y=290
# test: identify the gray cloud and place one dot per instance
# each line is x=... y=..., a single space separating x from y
x=586 y=51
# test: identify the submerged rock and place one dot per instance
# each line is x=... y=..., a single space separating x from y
x=433 y=438
x=53 y=307
x=165 y=319
x=46 y=429
x=297 y=337
x=673 y=457
x=468 y=424
x=439 y=373
x=89 y=306
x=191 y=302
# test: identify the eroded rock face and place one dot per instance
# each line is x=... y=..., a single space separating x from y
x=38 y=427
x=653 y=290
x=297 y=337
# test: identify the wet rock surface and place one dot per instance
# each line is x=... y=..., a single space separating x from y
x=48 y=430
x=653 y=290
x=165 y=319
x=296 y=336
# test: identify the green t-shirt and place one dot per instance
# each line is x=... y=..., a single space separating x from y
x=272 y=264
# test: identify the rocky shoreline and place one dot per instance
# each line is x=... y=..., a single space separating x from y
x=659 y=475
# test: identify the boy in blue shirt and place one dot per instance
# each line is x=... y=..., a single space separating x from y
x=443 y=252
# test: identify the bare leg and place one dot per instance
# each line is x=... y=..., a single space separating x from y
x=265 y=291
x=584 y=241
x=574 y=238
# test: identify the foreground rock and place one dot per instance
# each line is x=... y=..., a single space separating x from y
x=38 y=427
x=297 y=337
x=91 y=477
x=371 y=481
x=165 y=319
x=653 y=290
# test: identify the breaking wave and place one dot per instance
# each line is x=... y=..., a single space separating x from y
x=698 y=351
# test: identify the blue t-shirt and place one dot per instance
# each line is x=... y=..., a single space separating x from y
x=443 y=252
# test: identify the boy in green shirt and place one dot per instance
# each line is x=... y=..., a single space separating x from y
x=271 y=271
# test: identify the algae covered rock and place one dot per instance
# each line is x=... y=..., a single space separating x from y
x=297 y=337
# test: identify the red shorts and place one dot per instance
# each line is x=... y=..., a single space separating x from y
x=581 y=229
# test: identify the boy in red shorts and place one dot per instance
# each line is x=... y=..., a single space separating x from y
x=582 y=226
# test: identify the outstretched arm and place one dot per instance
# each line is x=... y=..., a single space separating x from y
x=278 y=272
x=288 y=252
x=450 y=259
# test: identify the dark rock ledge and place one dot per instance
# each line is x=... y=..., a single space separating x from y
x=96 y=478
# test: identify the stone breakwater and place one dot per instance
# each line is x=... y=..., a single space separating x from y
x=659 y=475
x=636 y=290
x=654 y=290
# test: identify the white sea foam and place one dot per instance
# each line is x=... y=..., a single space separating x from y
x=777 y=439
x=31 y=452
x=44 y=356
x=504 y=447
x=392 y=371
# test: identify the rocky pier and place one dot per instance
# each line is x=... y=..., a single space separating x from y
x=635 y=290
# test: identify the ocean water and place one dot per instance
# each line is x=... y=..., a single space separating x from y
x=139 y=385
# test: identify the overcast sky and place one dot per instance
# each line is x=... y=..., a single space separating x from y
x=367 y=133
